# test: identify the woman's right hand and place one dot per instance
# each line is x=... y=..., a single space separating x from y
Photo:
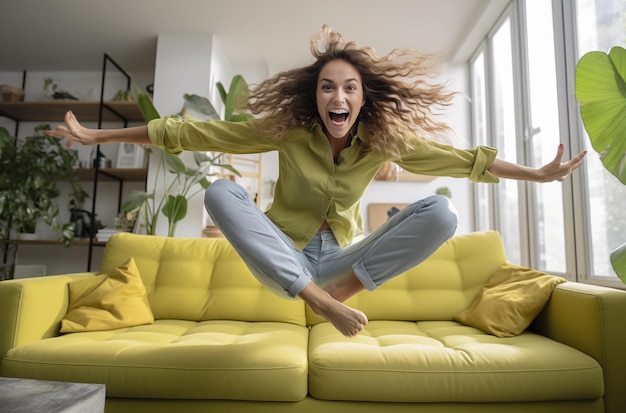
x=73 y=131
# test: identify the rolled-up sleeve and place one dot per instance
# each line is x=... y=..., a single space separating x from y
x=157 y=132
x=483 y=159
x=437 y=159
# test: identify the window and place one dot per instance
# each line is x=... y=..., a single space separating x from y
x=522 y=79
x=503 y=114
x=542 y=134
x=481 y=135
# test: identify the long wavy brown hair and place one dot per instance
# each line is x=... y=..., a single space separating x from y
x=400 y=104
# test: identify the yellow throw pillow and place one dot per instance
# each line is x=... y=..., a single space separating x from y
x=509 y=301
x=108 y=301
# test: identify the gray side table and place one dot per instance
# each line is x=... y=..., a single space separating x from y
x=31 y=396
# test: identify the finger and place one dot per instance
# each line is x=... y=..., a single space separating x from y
x=559 y=154
x=69 y=117
x=575 y=162
x=580 y=156
x=59 y=132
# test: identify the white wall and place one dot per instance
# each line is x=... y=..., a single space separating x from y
x=183 y=65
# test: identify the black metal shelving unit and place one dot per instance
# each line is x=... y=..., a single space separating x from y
x=100 y=111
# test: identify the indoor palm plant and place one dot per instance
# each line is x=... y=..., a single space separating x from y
x=32 y=168
x=185 y=181
x=601 y=92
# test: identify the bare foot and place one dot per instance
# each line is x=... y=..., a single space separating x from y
x=348 y=321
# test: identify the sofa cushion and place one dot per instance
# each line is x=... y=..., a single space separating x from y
x=444 y=361
x=510 y=300
x=437 y=289
x=107 y=301
x=175 y=359
x=199 y=279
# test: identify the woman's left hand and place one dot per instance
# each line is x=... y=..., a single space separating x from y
x=557 y=170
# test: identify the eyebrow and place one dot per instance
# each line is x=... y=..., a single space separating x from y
x=347 y=80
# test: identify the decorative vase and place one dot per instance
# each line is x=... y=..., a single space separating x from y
x=25 y=236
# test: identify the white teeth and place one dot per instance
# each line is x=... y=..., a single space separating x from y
x=338 y=111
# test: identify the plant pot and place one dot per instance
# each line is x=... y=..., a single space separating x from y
x=12 y=93
x=7 y=271
x=27 y=236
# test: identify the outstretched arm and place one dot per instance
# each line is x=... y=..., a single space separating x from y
x=73 y=131
x=557 y=170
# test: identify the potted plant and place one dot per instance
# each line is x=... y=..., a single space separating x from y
x=185 y=181
x=32 y=168
x=50 y=87
x=601 y=93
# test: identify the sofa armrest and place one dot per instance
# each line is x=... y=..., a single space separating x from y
x=591 y=319
x=31 y=309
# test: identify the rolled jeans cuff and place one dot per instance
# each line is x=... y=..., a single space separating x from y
x=296 y=288
x=361 y=273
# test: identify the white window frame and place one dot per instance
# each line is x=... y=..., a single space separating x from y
x=575 y=195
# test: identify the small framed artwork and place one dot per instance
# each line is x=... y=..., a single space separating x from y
x=130 y=155
x=377 y=214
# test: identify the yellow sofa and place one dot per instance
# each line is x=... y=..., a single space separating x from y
x=222 y=342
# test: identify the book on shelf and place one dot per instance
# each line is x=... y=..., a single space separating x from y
x=104 y=234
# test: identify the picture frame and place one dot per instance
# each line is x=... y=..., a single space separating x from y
x=378 y=213
x=130 y=155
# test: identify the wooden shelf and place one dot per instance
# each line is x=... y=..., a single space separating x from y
x=85 y=111
x=114 y=174
x=77 y=242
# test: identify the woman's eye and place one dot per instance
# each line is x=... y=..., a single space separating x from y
x=327 y=87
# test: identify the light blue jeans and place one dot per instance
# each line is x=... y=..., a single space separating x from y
x=405 y=240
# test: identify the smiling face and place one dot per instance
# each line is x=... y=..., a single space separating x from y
x=339 y=97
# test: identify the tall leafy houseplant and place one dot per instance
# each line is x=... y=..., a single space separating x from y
x=185 y=181
x=31 y=170
x=601 y=93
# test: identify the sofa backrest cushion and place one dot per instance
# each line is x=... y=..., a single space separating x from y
x=198 y=279
x=438 y=288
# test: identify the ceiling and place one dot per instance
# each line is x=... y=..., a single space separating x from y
x=263 y=35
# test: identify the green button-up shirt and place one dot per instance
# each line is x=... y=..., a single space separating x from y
x=311 y=186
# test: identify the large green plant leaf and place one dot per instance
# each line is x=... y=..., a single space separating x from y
x=146 y=107
x=618 y=260
x=175 y=207
x=237 y=95
x=136 y=199
x=175 y=164
x=222 y=91
x=198 y=108
x=601 y=92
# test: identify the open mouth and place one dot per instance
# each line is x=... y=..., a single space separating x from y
x=338 y=116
